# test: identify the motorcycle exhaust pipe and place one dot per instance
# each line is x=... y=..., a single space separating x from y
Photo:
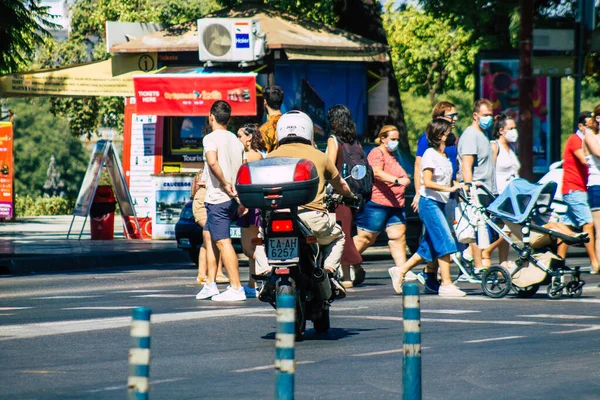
x=322 y=285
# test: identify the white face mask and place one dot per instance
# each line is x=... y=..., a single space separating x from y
x=392 y=145
x=512 y=135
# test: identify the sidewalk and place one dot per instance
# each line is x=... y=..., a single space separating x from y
x=40 y=244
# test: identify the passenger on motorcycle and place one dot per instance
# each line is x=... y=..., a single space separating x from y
x=295 y=137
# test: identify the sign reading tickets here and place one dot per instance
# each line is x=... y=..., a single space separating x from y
x=194 y=94
x=6 y=170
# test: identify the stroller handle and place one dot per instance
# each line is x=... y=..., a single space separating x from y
x=568 y=240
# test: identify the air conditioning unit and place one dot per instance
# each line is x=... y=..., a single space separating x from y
x=230 y=40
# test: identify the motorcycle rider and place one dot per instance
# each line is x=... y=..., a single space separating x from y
x=295 y=137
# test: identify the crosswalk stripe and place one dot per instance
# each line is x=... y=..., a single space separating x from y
x=108 y=308
x=66 y=297
x=494 y=339
x=14 y=308
x=34 y=330
x=560 y=316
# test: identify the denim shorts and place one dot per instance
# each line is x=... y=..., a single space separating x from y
x=219 y=217
x=438 y=240
x=374 y=218
x=594 y=197
x=578 y=211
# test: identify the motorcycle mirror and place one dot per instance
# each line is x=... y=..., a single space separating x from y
x=358 y=172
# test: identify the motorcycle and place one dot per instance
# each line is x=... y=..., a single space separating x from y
x=278 y=186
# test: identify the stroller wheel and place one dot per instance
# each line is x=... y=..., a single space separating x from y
x=526 y=292
x=574 y=289
x=496 y=282
x=552 y=292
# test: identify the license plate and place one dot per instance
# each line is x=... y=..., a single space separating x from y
x=283 y=248
x=184 y=243
x=235 y=232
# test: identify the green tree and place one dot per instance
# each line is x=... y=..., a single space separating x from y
x=38 y=136
x=24 y=26
x=430 y=55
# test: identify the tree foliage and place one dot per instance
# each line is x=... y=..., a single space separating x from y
x=322 y=11
x=38 y=136
x=430 y=55
x=24 y=26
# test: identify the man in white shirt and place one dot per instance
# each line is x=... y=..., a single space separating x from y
x=224 y=157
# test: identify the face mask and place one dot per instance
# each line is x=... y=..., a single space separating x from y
x=511 y=136
x=392 y=145
x=450 y=140
x=486 y=122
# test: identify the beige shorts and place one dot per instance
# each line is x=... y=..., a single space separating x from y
x=198 y=207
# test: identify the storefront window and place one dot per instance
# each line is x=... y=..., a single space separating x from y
x=183 y=138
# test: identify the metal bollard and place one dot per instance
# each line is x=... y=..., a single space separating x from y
x=138 y=382
x=411 y=338
x=285 y=338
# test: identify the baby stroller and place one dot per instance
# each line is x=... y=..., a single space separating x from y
x=524 y=207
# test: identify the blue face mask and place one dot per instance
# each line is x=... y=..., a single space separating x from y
x=392 y=145
x=486 y=122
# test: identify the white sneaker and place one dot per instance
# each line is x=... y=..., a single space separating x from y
x=410 y=277
x=231 y=295
x=207 y=291
x=450 y=291
x=396 y=281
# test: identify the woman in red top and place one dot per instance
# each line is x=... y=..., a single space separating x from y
x=385 y=210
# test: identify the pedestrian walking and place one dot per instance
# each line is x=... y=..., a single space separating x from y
x=592 y=150
x=343 y=138
x=507 y=169
x=224 y=157
x=273 y=99
x=574 y=187
x=438 y=242
x=385 y=210
x=255 y=150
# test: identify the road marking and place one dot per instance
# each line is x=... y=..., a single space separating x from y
x=142 y=291
x=124 y=387
x=26 y=331
x=42 y=372
x=348 y=308
x=450 y=311
x=267 y=367
x=14 y=308
x=379 y=353
x=515 y=299
x=494 y=339
x=65 y=297
x=560 y=316
x=5 y=314
x=588 y=329
x=101 y=308
x=166 y=296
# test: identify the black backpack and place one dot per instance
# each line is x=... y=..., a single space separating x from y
x=353 y=154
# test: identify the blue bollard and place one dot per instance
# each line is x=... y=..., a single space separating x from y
x=285 y=338
x=138 y=382
x=411 y=338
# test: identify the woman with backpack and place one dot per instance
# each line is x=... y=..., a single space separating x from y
x=341 y=142
x=385 y=210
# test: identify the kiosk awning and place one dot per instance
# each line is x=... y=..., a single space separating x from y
x=192 y=92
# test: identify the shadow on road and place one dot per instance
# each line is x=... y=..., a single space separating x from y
x=333 y=334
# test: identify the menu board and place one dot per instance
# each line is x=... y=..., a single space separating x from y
x=141 y=163
x=6 y=170
x=91 y=179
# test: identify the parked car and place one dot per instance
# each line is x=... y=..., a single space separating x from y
x=189 y=234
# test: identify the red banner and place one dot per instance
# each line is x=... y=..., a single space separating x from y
x=6 y=170
x=193 y=95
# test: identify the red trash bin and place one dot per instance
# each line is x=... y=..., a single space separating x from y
x=102 y=213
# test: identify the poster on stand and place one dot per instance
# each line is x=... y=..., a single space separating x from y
x=171 y=194
x=6 y=170
x=499 y=83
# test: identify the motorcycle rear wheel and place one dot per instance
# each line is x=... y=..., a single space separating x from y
x=321 y=324
x=300 y=319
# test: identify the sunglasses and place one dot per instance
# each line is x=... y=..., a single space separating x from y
x=452 y=116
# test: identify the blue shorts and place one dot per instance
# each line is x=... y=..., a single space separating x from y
x=438 y=239
x=578 y=210
x=219 y=217
x=374 y=218
x=594 y=197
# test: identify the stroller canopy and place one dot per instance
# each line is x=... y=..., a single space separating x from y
x=521 y=198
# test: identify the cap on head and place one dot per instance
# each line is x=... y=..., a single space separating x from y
x=295 y=123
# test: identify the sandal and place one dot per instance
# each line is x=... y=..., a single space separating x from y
x=347 y=284
x=200 y=279
x=397 y=279
x=221 y=279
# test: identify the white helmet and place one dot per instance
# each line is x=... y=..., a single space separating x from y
x=295 y=123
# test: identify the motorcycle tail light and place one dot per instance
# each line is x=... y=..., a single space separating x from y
x=243 y=176
x=282 y=225
x=303 y=171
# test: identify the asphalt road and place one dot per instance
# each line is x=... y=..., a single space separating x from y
x=66 y=336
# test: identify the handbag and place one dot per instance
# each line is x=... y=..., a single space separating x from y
x=463 y=228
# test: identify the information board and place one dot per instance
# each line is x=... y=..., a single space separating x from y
x=6 y=170
x=91 y=179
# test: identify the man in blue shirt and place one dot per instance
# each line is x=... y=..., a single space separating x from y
x=447 y=111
